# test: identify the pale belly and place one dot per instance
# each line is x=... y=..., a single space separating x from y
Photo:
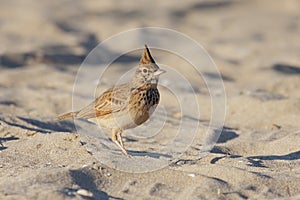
x=116 y=121
x=124 y=120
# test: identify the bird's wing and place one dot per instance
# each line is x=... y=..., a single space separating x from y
x=111 y=101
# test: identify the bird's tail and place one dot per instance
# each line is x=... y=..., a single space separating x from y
x=67 y=115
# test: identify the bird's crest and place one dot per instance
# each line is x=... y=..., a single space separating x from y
x=146 y=57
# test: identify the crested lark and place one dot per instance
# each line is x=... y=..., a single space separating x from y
x=128 y=105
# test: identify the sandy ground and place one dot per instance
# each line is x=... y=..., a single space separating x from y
x=255 y=45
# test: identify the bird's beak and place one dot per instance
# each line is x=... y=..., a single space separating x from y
x=159 y=72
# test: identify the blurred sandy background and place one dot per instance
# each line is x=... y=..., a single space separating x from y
x=256 y=46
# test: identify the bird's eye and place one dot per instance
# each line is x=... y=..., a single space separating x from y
x=145 y=71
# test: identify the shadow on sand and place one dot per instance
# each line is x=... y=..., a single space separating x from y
x=87 y=179
x=42 y=126
x=2 y=147
x=286 y=69
x=255 y=161
x=227 y=134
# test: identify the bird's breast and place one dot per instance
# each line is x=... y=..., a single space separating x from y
x=143 y=104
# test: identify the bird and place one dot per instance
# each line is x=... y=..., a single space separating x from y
x=127 y=105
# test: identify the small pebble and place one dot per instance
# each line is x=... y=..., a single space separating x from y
x=191 y=175
x=84 y=193
x=177 y=115
x=108 y=174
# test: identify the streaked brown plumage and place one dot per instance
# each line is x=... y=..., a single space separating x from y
x=127 y=105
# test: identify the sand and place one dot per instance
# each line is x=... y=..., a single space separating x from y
x=255 y=45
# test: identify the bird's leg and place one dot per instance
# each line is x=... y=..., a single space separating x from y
x=120 y=139
x=117 y=139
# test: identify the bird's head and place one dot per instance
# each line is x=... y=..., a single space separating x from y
x=148 y=71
